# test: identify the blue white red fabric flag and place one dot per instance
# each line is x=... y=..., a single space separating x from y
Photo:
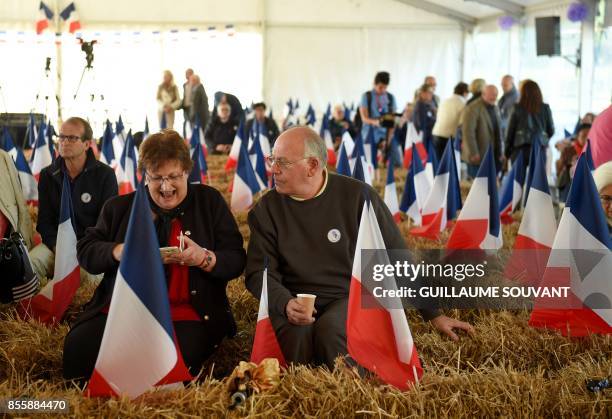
x=265 y=343
x=585 y=267
x=349 y=143
x=538 y=225
x=29 y=186
x=343 y=167
x=444 y=200
x=536 y=233
x=50 y=304
x=311 y=119
x=416 y=189
x=371 y=148
x=245 y=184
x=50 y=134
x=107 y=153
x=44 y=17
x=589 y=155
x=138 y=349
x=237 y=145
x=258 y=161
x=145 y=131
x=413 y=138
x=431 y=166
x=478 y=225
x=126 y=169
x=358 y=171
x=41 y=155
x=534 y=154
x=360 y=155
x=200 y=168
x=119 y=139
x=326 y=135
x=197 y=137
x=378 y=339
x=71 y=17
x=512 y=190
x=260 y=132
x=391 y=194
x=566 y=133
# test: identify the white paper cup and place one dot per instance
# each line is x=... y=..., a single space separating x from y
x=308 y=301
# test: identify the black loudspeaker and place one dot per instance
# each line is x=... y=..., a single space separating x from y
x=17 y=124
x=548 y=35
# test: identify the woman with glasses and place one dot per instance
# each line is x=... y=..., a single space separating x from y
x=603 y=181
x=193 y=218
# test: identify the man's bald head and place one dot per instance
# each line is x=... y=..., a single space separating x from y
x=194 y=79
x=300 y=156
x=489 y=94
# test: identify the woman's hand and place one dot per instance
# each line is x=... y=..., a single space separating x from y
x=193 y=255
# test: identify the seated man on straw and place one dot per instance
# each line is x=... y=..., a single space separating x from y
x=307 y=230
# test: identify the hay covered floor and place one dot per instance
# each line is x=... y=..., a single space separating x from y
x=506 y=369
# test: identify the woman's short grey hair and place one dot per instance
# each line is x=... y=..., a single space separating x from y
x=314 y=146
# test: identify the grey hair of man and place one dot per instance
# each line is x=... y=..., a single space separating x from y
x=314 y=147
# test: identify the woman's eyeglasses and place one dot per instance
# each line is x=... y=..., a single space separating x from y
x=158 y=180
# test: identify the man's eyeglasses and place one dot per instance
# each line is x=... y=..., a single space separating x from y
x=282 y=162
x=158 y=180
x=69 y=138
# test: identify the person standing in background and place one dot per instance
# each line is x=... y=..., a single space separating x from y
x=431 y=82
x=448 y=118
x=507 y=101
x=424 y=116
x=198 y=112
x=168 y=100
x=186 y=104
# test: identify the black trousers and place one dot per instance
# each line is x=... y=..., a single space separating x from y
x=318 y=343
x=439 y=144
x=197 y=341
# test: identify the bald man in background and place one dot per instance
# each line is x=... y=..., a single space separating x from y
x=481 y=128
x=314 y=254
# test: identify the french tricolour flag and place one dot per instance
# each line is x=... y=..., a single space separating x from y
x=107 y=153
x=391 y=193
x=258 y=132
x=200 y=168
x=378 y=339
x=586 y=267
x=359 y=154
x=537 y=230
x=197 y=137
x=457 y=148
x=258 y=162
x=349 y=143
x=444 y=199
x=120 y=137
x=126 y=169
x=431 y=167
x=138 y=349
x=41 y=156
x=237 y=145
x=536 y=150
x=512 y=190
x=413 y=138
x=50 y=304
x=71 y=17
x=329 y=144
x=29 y=186
x=265 y=344
x=416 y=189
x=478 y=225
x=44 y=16
x=343 y=166
x=245 y=184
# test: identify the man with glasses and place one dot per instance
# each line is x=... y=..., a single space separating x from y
x=92 y=183
x=305 y=232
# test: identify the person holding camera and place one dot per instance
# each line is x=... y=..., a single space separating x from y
x=377 y=109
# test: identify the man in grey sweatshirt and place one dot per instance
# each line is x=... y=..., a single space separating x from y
x=306 y=229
